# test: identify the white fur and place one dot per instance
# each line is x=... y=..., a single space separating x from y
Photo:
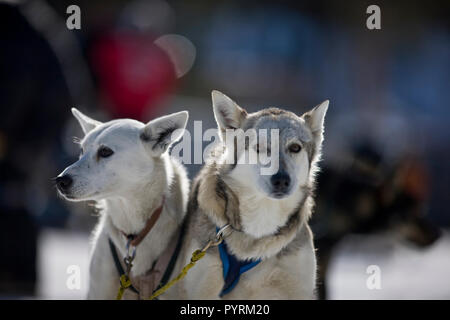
x=260 y=214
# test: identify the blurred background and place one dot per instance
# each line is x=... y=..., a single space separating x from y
x=383 y=191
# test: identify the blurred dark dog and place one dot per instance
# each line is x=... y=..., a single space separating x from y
x=366 y=196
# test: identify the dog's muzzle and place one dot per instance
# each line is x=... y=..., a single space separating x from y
x=63 y=183
x=281 y=184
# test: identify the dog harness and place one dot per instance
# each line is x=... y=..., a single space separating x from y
x=162 y=268
x=232 y=268
x=159 y=274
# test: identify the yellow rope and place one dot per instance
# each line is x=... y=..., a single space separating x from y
x=125 y=282
x=197 y=255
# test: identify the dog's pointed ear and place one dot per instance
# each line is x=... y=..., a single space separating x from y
x=315 y=118
x=86 y=123
x=160 y=133
x=227 y=113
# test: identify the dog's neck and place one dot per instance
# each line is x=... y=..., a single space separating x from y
x=135 y=207
x=130 y=214
x=260 y=215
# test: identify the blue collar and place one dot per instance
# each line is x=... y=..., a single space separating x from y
x=232 y=268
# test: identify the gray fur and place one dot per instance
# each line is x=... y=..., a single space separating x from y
x=220 y=196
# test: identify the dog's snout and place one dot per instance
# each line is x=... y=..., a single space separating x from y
x=280 y=182
x=64 y=182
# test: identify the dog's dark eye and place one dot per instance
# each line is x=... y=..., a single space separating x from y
x=295 y=148
x=104 y=152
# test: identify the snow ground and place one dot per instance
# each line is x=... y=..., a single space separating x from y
x=58 y=250
x=406 y=272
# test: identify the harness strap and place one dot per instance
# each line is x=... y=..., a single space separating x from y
x=174 y=258
x=153 y=276
x=137 y=238
x=118 y=263
x=233 y=268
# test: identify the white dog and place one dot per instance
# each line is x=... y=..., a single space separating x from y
x=142 y=192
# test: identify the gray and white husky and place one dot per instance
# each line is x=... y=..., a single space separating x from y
x=268 y=214
x=124 y=166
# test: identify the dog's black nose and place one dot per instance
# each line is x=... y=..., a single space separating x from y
x=64 y=182
x=280 y=182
